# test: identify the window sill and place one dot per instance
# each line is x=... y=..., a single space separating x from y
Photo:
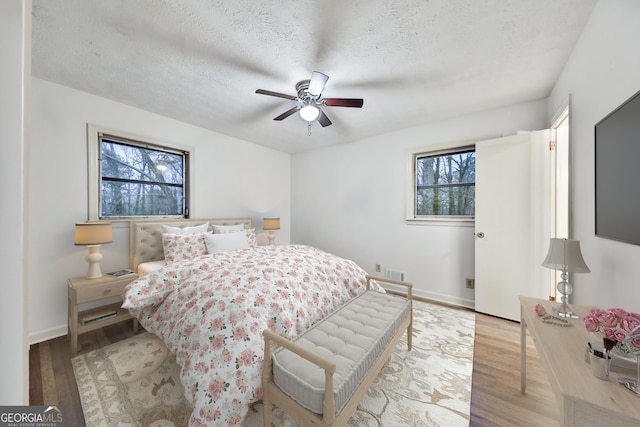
x=454 y=222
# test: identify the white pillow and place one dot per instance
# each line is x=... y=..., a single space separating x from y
x=219 y=229
x=203 y=228
x=225 y=242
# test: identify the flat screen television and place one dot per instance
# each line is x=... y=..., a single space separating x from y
x=617 y=173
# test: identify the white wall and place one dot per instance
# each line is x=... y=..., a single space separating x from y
x=15 y=30
x=351 y=200
x=231 y=178
x=602 y=72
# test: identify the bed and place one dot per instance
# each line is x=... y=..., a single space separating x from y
x=210 y=309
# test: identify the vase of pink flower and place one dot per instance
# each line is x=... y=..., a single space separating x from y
x=623 y=329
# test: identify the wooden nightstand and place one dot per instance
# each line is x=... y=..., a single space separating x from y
x=83 y=290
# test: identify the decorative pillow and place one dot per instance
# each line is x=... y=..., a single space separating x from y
x=178 y=247
x=225 y=242
x=251 y=236
x=219 y=229
x=203 y=228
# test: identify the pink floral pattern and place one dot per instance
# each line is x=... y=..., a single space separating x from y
x=211 y=311
x=251 y=236
x=178 y=247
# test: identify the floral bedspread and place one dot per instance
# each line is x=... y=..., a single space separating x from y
x=211 y=311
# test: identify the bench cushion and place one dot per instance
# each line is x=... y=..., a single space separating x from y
x=353 y=337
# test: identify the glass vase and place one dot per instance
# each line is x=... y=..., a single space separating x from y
x=633 y=385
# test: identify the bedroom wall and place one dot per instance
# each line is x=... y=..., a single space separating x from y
x=602 y=72
x=351 y=200
x=15 y=30
x=232 y=178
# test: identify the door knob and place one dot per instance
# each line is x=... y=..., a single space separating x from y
x=480 y=234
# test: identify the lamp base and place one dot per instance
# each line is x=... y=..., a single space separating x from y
x=93 y=259
x=565 y=289
x=567 y=314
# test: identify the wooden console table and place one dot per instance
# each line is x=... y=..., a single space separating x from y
x=584 y=400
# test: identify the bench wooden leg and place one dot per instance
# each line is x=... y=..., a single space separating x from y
x=267 y=366
x=266 y=411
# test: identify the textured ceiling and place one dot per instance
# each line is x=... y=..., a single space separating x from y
x=413 y=61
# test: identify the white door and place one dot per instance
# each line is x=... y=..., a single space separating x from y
x=512 y=221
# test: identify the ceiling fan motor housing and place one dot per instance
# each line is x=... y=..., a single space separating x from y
x=303 y=91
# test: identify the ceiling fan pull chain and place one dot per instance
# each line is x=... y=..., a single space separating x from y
x=309 y=129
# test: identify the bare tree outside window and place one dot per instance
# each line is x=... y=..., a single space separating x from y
x=141 y=180
x=445 y=184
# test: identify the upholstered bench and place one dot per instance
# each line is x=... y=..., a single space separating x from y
x=321 y=377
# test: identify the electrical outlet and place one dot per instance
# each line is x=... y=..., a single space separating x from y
x=471 y=283
x=378 y=268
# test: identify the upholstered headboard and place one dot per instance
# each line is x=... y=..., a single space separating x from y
x=145 y=236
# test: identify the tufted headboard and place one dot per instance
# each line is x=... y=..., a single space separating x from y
x=145 y=236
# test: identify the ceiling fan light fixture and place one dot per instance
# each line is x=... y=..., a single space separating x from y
x=309 y=113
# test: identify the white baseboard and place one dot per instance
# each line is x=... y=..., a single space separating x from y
x=47 y=334
x=434 y=296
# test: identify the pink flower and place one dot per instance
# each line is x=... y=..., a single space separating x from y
x=608 y=318
x=539 y=309
x=619 y=334
x=245 y=359
x=616 y=324
x=608 y=332
x=216 y=388
x=620 y=313
x=629 y=323
x=591 y=323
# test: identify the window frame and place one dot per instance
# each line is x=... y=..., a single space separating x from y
x=94 y=172
x=412 y=217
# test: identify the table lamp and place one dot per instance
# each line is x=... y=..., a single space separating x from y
x=271 y=224
x=92 y=235
x=565 y=255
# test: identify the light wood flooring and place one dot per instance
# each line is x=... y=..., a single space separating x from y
x=495 y=397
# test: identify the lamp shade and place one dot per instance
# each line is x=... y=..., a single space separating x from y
x=564 y=254
x=309 y=113
x=271 y=223
x=93 y=233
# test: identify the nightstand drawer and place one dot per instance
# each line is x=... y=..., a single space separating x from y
x=105 y=290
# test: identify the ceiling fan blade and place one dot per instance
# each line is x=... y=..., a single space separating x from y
x=288 y=113
x=317 y=82
x=323 y=119
x=343 y=102
x=278 y=94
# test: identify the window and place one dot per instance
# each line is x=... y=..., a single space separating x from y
x=444 y=183
x=134 y=178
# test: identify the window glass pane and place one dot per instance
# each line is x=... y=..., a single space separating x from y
x=446 y=201
x=445 y=184
x=139 y=180
x=137 y=199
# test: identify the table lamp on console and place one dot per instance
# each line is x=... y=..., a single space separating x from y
x=565 y=255
x=271 y=224
x=93 y=235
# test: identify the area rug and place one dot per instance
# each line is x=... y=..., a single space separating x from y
x=136 y=382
